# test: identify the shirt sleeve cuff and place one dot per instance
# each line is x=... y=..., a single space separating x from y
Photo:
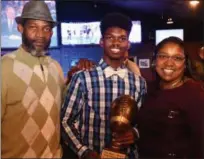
x=82 y=151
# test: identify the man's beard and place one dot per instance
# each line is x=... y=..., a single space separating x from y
x=32 y=49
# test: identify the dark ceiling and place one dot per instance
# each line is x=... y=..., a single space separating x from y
x=168 y=8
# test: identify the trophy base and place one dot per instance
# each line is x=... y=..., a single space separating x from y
x=110 y=154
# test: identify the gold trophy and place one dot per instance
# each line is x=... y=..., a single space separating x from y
x=123 y=112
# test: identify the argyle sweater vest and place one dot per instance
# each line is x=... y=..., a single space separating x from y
x=31 y=100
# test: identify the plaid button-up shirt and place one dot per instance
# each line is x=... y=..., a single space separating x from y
x=86 y=109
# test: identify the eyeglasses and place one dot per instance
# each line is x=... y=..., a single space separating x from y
x=164 y=57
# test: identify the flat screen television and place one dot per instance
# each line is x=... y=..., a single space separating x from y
x=136 y=32
x=80 y=33
x=165 y=33
x=10 y=37
x=84 y=33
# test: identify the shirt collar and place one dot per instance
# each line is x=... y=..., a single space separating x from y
x=104 y=65
x=107 y=69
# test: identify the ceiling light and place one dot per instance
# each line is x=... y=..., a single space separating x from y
x=194 y=3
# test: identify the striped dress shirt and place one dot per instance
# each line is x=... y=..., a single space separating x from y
x=86 y=108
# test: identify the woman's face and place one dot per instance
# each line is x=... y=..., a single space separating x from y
x=170 y=63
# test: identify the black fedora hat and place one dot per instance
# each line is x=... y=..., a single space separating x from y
x=35 y=9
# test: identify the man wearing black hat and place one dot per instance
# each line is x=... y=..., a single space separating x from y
x=31 y=90
x=86 y=109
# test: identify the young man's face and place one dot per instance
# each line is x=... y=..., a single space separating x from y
x=115 y=43
x=36 y=36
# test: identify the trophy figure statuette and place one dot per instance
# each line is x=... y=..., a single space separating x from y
x=122 y=118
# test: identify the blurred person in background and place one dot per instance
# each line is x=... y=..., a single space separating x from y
x=201 y=53
x=197 y=66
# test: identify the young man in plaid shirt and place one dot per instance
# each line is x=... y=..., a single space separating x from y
x=86 y=109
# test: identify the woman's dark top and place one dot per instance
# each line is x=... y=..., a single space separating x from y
x=171 y=123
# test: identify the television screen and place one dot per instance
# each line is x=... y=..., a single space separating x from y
x=80 y=33
x=136 y=32
x=162 y=34
x=83 y=33
x=10 y=37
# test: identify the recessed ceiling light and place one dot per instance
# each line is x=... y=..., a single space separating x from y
x=194 y=3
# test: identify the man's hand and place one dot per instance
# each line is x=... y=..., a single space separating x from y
x=85 y=64
x=124 y=140
x=73 y=70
